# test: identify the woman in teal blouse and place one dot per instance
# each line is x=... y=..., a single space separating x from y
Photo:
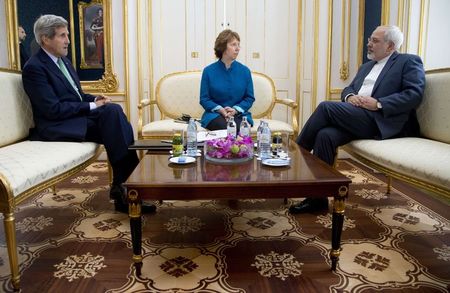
x=226 y=88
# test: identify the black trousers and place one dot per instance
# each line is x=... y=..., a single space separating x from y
x=334 y=124
x=109 y=126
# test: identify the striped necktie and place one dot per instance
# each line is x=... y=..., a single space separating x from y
x=67 y=75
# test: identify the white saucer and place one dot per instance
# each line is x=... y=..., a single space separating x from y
x=182 y=160
x=276 y=162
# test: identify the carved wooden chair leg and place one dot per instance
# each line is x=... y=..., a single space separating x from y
x=54 y=189
x=389 y=184
x=11 y=243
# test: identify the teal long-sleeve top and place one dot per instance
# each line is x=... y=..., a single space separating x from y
x=222 y=87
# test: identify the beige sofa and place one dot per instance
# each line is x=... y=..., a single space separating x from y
x=179 y=93
x=29 y=166
x=423 y=161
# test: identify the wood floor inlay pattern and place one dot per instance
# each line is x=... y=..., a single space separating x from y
x=73 y=241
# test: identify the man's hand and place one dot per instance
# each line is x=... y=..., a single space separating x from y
x=101 y=100
x=365 y=102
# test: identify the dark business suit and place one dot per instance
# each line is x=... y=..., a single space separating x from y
x=399 y=88
x=60 y=115
x=23 y=55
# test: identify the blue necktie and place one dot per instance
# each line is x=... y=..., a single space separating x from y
x=67 y=75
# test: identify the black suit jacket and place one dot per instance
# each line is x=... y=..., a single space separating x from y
x=23 y=55
x=58 y=112
x=399 y=88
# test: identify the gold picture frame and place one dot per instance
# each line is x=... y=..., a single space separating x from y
x=91 y=34
x=108 y=83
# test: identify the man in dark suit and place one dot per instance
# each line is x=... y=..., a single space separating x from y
x=379 y=103
x=62 y=112
x=23 y=52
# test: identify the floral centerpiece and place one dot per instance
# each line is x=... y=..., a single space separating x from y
x=229 y=149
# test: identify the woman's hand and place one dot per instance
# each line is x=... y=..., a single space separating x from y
x=230 y=111
x=223 y=112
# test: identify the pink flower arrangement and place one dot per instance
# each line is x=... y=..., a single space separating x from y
x=229 y=147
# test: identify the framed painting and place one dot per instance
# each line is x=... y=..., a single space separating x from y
x=91 y=34
x=95 y=48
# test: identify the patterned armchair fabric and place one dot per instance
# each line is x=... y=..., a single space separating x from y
x=178 y=93
x=435 y=108
x=16 y=115
x=422 y=161
x=29 y=163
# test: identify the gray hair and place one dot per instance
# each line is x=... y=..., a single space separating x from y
x=46 y=25
x=393 y=34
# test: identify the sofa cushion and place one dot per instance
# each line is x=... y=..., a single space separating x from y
x=419 y=158
x=433 y=111
x=17 y=116
x=29 y=163
x=275 y=126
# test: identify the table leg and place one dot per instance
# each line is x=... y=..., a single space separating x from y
x=337 y=224
x=134 y=212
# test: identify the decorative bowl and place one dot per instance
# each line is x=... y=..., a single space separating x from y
x=229 y=150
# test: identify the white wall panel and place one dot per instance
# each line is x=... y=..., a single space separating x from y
x=306 y=61
x=172 y=36
x=255 y=35
x=211 y=30
x=414 y=26
x=277 y=33
x=117 y=42
x=195 y=32
x=237 y=12
x=322 y=54
x=437 y=42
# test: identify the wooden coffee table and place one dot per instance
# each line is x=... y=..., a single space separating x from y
x=155 y=178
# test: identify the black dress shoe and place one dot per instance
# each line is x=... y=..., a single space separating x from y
x=117 y=193
x=309 y=205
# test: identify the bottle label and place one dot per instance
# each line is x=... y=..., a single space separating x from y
x=264 y=138
x=245 y=131
x=231 y=131
x=177 y=150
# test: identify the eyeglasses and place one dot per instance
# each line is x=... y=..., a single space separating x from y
x=374 y=40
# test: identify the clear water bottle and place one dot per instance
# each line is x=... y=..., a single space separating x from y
x=258 y=134
x=231 y=127
x=191 y=138
x=265 y=150
x=244 y=129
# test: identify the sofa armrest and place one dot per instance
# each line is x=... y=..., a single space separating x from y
x=287 y=102
x=142 y=104
x=146 y=102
